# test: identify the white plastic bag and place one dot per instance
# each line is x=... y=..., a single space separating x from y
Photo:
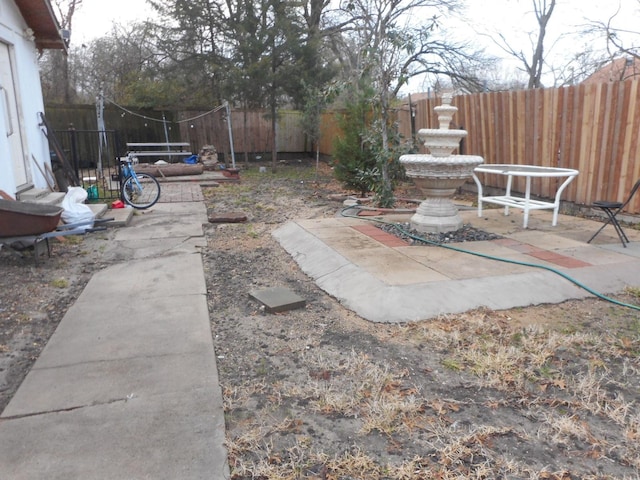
x=75 y=211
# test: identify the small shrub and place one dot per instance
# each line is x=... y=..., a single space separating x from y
x=352 y=154
x=59 y=283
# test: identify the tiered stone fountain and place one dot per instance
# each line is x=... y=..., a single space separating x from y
x=439 y=173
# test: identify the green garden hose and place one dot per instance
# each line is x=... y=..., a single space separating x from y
x=491 y=257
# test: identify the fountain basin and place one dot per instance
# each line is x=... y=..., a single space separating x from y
x=438 y=178
x=441 y=142
x=425 y=165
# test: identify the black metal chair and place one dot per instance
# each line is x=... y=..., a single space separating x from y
x=611 y=209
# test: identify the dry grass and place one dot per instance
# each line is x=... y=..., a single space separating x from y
x=569 y=386
x=320 y=394
x=525 y=364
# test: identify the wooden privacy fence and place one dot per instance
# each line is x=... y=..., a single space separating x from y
x=594 y=129
x=250 y=129
x=141 y=125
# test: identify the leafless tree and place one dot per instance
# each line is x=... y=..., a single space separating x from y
x=383 y=48
x=543 y=10
x=579 y=66
x=65 y=10
x=619 y=41
x=123 y=65
x=533 y=61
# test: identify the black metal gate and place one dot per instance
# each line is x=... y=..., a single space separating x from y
x=93 y=155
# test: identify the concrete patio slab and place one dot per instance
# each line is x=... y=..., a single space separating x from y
x=541 y=264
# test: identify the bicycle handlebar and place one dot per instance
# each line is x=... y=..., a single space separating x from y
x=129 y=159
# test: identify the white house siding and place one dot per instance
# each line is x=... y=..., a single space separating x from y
x=28 y=91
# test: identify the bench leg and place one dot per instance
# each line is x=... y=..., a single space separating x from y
x=479 y=186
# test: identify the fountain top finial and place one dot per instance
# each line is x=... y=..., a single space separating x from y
x=445 y=111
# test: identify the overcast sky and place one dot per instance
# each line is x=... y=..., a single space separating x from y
x=95 y=18
x=513 y=18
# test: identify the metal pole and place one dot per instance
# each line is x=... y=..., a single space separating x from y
x=102 y=135
x=166 y=133
x=233 y=156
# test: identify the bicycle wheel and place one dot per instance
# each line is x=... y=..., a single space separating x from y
x=143 y=195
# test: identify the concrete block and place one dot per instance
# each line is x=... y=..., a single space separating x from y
x=121 y=216
x=278 y=299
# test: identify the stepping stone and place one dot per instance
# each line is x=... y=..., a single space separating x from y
x=278 y=299
x=228 y=217
x=231 y=173
x=369 y=213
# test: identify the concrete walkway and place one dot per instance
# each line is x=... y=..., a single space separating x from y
x=127 y=387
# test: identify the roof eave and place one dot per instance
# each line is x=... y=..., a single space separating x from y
x=40 y=17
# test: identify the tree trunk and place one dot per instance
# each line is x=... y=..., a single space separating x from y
x=537 y=62
x=245 y=136
x=384 y=168
x=274 y=136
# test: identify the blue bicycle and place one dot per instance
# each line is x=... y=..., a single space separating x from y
x=140 y=190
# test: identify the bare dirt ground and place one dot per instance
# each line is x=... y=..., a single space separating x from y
x=34 y=298
x=549 y=391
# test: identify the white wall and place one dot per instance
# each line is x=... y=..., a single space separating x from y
x=13 y=31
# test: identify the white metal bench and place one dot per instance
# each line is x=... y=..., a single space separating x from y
x=169 y=150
